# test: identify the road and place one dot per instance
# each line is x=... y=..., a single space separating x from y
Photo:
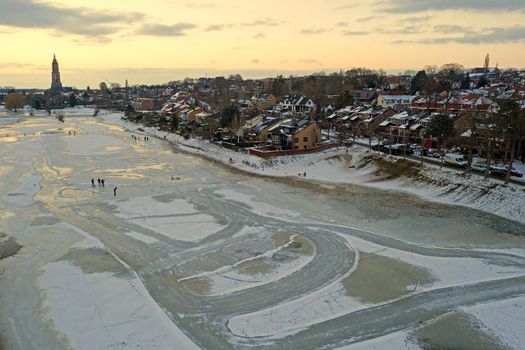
x=193 y=254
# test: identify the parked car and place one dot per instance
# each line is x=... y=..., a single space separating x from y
x=498 y=171
x=515 y=173
x=455 y=159
x=501 y=171
x=479 y=167
x=398 y=149
x=431 y=152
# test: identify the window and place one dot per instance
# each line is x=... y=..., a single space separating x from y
x=296 y=140
x=305 y=139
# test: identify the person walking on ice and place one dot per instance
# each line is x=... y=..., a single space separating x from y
x=115 y=191
x=92 y=182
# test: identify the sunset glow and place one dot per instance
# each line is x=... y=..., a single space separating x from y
x=160 y=40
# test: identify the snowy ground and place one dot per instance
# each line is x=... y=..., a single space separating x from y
x=194 y=254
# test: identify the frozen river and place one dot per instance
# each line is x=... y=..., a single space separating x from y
x=191 y=254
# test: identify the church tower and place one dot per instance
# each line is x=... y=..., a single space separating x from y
x=56 y=85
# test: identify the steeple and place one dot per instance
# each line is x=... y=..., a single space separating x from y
x=56 y=84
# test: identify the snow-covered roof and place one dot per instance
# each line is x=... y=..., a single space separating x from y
x=467 y=133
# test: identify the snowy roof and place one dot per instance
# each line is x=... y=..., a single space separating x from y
x=467 y=133
x=401 y=116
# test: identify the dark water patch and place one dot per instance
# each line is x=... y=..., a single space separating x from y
x=95 y=260
x=8 y=246
x=44 y=221
x=457 y=330
x=379 y=278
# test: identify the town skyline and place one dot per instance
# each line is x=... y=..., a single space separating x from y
x=168 y=41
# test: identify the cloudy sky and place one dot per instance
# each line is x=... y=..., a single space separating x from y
x=160 y=40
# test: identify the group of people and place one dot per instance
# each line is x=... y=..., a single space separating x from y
x=138 y=138
x=102 y=182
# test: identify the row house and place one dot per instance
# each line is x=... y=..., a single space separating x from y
x=396 y=102
x=363 y=96
x=461 y=103
x=369 y=126
x=403 y=127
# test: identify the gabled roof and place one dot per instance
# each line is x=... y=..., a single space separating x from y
x=263 y=125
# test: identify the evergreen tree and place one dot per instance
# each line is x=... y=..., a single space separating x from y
x=482 y=82
x=344 y=100
x=228 y=115
x=441 y=127
x=72 y=100
x=418 y=82
x=465 y=82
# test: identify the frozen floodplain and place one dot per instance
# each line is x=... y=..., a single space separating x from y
x=193 y=254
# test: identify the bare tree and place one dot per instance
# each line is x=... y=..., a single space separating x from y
x=512 y=126
x=492 y=131
x=472 y=118
x=14 y=101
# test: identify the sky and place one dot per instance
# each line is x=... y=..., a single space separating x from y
x=156 y=41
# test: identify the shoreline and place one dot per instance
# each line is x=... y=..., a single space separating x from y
x=487 y=196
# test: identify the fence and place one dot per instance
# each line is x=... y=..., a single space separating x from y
x=292 y=152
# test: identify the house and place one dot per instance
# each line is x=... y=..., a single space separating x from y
x=298 y=103
x=292 y=134
x=370 y=125
x=262 y=101
x=146 y=104
x=192 y=114
x=262 y=129
x=307 y=135
x=363 y=96
x=393 y=82
x=396 y=102
x=403 y=127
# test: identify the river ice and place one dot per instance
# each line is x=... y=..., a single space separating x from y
x=194 y=254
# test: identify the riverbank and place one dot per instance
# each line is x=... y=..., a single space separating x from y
x=357 y=165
